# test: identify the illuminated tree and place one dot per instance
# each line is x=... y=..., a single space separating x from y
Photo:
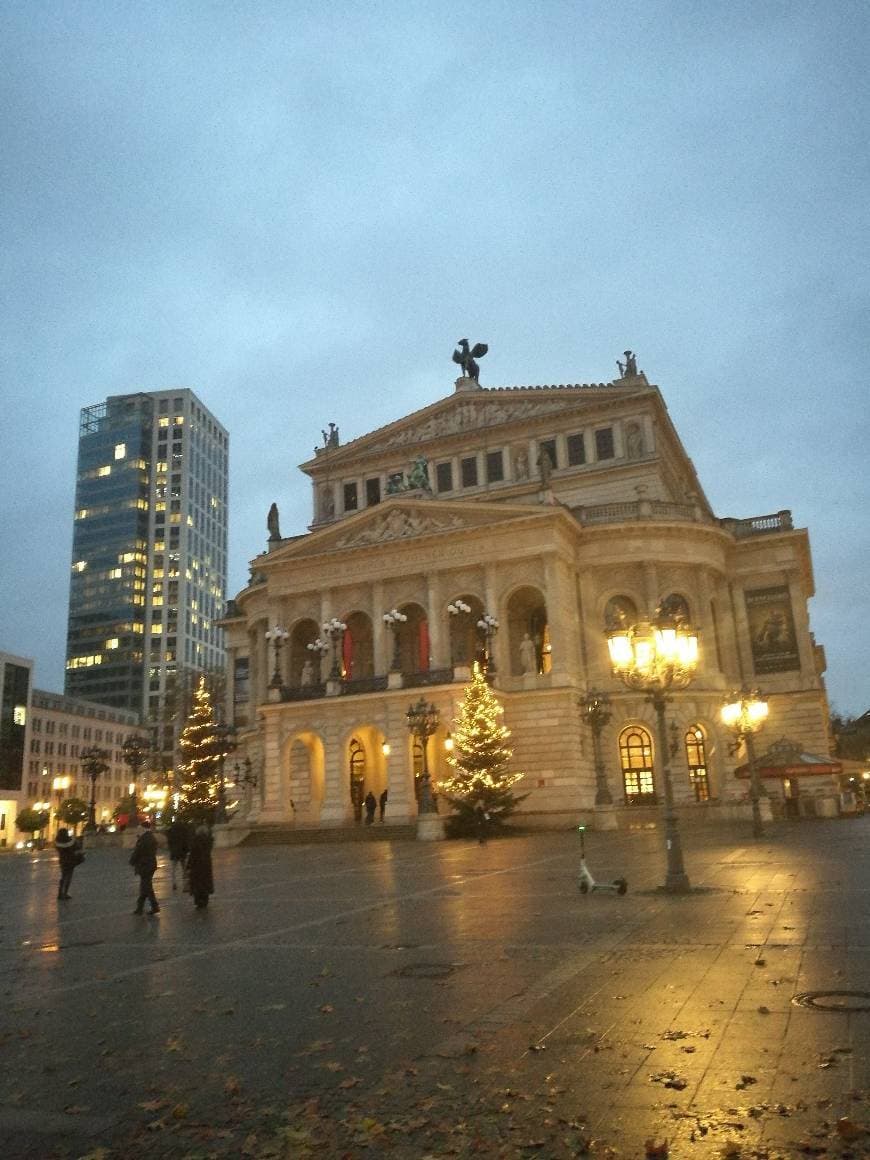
x=73 y=811
x=203 y=747
x=480 y=759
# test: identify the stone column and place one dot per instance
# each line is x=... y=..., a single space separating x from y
x=401 y=806
x=381 y=640
x=500 y=650
x=651 y=593
x=272 y=807
x=561 y=616
x=336 y=807
x=437 y=628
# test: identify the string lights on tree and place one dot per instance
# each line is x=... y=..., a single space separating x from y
x=480 y=757
x=203 y=746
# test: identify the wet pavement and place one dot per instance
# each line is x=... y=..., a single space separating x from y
x=447 y=999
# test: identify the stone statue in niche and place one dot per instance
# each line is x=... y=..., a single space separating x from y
x=521 y=465
x=418 y=476
x=307 y=676
x=628 y=369
x=633 y=441
x=327 y=503
x=272 y=523
x=395 y=482
x=528 y=655
x=545 y=466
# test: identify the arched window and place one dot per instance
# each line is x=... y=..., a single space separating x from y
x=696 y=758
x=635 y=755
x=620 y=612
x=357 y=755
x=676 y=607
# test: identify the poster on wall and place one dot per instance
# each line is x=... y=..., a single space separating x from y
x=771 y=630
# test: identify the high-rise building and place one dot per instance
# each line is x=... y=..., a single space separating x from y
x=149 y=557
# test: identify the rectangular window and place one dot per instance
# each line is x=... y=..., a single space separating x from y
x=548 y=447
x=373 y=492
x=576 y=449
x=350 y=497
x=469 y=471
x=604 y=443
x=494 y=466
x=444 y=477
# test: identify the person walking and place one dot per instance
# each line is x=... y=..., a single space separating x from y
x=382 y=804
x=178 y=841
x=371 y=805
x=481 y=817
x=199 y=868
x=68 y=856
x=144 y=863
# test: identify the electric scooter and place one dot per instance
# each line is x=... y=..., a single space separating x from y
x=585 y=880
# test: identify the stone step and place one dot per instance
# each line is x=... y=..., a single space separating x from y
x=298 y=835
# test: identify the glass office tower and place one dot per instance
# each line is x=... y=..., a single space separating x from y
x=149 y=559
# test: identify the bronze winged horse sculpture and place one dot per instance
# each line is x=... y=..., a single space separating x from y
x=466 y=357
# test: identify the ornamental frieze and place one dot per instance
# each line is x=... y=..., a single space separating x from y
x=398 y=525
x=467 y=416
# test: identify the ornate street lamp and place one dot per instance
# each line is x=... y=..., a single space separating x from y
x=656 y=658
x=277 y=636
x=94 y=762
x=456 y=609
x=488 y=625
x=596 y=708
x=135 y=755
x=745 y=711
x=392 y=620
x=334 y=629
x=321 y=648
x=423 y=720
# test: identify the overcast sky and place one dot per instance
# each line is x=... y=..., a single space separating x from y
x=296 y=209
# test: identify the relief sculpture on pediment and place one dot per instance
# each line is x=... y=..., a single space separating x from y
x=398 y=525
x=466 y=416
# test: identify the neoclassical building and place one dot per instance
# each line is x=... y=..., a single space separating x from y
x=554 y=511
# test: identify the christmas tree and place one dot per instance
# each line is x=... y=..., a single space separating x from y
x=480 y=759
x=203 y=747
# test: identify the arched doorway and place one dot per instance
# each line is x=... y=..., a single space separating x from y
x=357 y=649
x=305 y=777
x=527 y=617
x=413 y=640
x=620 y=612
x=367 y=757
x=303 y=662
x=636 y=761
x=464 y=633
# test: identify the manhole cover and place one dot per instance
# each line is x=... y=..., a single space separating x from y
x=427 y=970
x=833 y=1000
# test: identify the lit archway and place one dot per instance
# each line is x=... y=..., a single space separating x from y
x=696 y=759
x=305 y=777
x=527 y=617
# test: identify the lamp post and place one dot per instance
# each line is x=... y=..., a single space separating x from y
x=135 y=756
x=744 y=712
x=94 y=762
x=596 y=707
x=321 y=648
x=276 y=637
x=392 y=620
x=224 y=744
x=456 y=609
x=656 y=658
x=334 y=629
x=422 y=722
x=488 y=625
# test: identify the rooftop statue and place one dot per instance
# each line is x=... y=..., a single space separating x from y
x=418 y=476
x=628 y=369
x=466 y=357
x=272 y=523
x=330 y=439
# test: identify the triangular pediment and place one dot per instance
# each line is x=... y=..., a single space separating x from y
x=470 y=411
x=403 y=518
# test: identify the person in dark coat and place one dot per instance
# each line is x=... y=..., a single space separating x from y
x=371 y=804
x=68 y=856
x=199 y=867
x=178 y=841
x=144 y=863
x=382 y=804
